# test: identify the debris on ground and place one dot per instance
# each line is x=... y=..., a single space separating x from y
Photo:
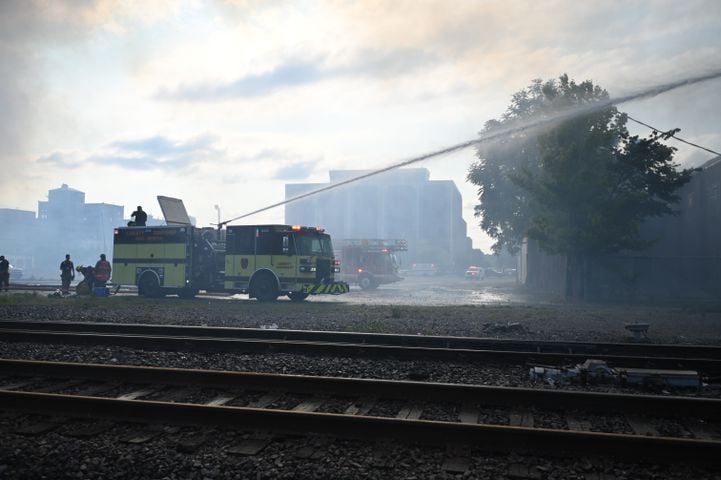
x=594 y=371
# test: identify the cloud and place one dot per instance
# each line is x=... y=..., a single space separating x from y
x=162 y=147
x=60 y=160
x=294 y=73
x=284 y=76
x=156 y=152
x=295 y=171
x=269 y=163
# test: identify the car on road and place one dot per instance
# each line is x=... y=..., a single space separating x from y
x=475 y=273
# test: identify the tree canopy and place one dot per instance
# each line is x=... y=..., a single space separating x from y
x=581 y=186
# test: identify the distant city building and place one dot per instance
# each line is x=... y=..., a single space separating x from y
x=64 y=224
x=17 y=228
x=402 y=203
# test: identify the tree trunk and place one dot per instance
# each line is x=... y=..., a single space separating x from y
x=575 y=276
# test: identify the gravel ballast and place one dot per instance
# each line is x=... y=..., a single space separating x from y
x=58 y=455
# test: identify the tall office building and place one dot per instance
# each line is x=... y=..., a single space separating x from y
x=401 y=203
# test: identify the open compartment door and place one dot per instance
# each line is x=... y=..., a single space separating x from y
x=173 y=211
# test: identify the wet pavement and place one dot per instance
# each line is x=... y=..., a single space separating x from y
x=435 y=290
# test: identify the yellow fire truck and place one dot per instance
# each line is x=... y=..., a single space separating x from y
x=264 y=261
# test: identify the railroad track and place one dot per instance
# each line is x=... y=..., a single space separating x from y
x=705 y=359
x=491 y=418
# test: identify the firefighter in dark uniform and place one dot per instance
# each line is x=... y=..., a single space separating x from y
x=102 y=271
x=67 y=274
x=4 y=273
x=140 y=218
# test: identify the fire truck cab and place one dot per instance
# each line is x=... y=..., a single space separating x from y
x=369 y=263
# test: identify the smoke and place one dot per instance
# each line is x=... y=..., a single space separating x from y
x=16 y=80
x=496 y=134
x=24 y=31
x=27 y=29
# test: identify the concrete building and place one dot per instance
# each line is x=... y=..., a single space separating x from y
x=17 y=228
x=64 y=224
x=401 y=203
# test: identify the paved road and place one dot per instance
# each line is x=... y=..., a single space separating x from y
x=431 y=290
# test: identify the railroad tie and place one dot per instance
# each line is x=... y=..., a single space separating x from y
x=458 y=461
x=310 y=405
x=576 y=423
x=641 y=426
x=40 y=428
x=315 y=448
x=59 y=386
x=86 y=429
x=251 y=446
x=266 y=400
x=93 y=390
x=148 y=433
x=469 y=414
x=702 y=430
x=219 y=400
x=520 y=470
x=411 y=411
x=134 y=395
x=521 y=418
x=361 y=407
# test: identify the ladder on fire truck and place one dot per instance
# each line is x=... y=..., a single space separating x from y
x=373 y=244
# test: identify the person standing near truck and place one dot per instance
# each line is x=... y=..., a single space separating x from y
x=4 y=273
x=67 y=274
x=102 y=271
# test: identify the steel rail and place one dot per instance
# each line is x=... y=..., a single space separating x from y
x=262 y=345
x=473 y=343
x=489 y=437
x=666 y=405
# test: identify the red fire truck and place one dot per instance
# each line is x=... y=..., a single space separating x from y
x=369 y=262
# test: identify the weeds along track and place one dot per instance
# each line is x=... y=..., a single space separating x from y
x=492 y=418
x=705 y=359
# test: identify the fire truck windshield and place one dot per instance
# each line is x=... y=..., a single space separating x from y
x=313 y=244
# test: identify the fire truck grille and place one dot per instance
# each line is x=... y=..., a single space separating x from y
x=323 y=270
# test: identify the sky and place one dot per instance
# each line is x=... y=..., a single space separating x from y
x=223 y=103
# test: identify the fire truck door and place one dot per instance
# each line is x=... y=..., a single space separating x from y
x=283 y=259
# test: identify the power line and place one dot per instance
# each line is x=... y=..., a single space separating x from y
x=503 y=132
x=672 y=135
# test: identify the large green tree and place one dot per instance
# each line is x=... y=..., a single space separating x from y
x=581 y=185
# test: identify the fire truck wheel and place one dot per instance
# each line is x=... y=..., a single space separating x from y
x=297 y=296
x=148 y=286
x=366 y=282
x=264 y=287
